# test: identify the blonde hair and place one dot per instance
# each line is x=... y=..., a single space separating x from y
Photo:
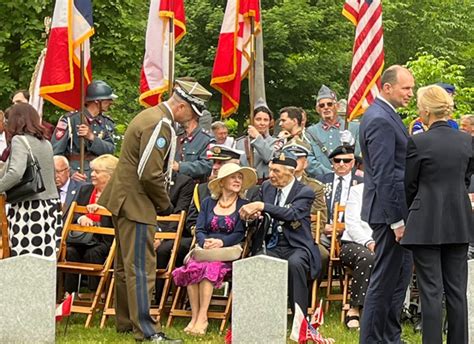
x=435 y=100
x=470 y=118
x=108 y=162
x=218 y=193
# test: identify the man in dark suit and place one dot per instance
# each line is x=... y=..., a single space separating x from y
x=288 y=202
x=383 y=140
x=67 y=187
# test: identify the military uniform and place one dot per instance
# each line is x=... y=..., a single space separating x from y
x=66 y=142
x=324 y=139
x=135 y=195
x=263 y=150
x=191 y=154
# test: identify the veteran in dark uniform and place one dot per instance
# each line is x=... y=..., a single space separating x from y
x=98 y=131
x=137 y=193
x=329 y=133
x=193 y=142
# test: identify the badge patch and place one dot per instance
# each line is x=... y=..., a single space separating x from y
x=62 y=125
x=59 y=133
x=161 y=143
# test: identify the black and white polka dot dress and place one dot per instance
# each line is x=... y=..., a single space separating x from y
x=32 y=227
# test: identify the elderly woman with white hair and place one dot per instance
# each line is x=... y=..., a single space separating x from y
x=439 y=166
x=218 y=226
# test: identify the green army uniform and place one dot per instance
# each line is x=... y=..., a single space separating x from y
x=135 y=195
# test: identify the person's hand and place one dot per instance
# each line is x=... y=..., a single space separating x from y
x=156 y=244
x=85 y=131
x=85 y=221
x=250 y=211
x=213 y=243
x=175 y=166
x=371 y=246
x=328 y=229
x=399 y=231
x=80 y=177
x=92 y=208
x=284 y=134
x=252 y=132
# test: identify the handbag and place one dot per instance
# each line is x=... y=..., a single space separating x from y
x=221 y=254
x=31 y=183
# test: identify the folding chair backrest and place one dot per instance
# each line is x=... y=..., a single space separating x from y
x=316 y=219
x=338 y=228
x=180 y=219
x=70 y=226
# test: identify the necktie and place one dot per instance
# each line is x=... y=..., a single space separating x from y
x=274 y=238
x=337 y=194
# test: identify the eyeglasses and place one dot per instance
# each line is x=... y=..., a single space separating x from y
x=344 y=160
x=323 y=105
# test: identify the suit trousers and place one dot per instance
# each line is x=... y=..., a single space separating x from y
x=390 y=277
x=135 y=272
x=441 y=267
x=298 y=270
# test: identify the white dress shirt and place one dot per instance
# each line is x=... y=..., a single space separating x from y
x=346 y=184
x=285 y=191
x=63 y=191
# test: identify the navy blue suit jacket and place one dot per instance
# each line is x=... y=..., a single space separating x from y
x=295 y=218
x=383 y=142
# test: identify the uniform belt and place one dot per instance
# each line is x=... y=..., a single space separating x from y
x=77 y=157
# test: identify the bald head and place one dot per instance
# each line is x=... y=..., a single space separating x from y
x=397 y=86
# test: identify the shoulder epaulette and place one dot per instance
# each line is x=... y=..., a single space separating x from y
x=108 y=118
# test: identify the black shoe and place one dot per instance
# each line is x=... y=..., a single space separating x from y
x=160 y=337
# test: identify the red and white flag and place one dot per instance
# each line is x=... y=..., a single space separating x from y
x=368 y=55
x=232 y=60
x=154 y=79
x=64 y=309
x=72 y=25
x=304 y=332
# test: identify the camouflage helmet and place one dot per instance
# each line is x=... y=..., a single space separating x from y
x=99 y=90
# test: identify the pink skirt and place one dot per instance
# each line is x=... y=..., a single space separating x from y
x=194 y=272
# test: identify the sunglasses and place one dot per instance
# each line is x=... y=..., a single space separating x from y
x=344 y=160
x=323 y=105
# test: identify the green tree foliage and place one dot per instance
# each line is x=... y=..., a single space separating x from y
x=307 y=43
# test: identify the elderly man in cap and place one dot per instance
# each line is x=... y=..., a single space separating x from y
x=194 y=141
x=325 y=135
x=288 y=202
x=257 y=145
x=338 y=183
x=135 y=195
x=98 y=131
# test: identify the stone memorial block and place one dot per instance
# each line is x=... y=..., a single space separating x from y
x=27 y=299
x=259 y=307
x=470 y=299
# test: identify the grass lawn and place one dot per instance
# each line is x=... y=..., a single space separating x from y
x=76 y=332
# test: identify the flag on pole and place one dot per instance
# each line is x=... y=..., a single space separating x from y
x=154 y=79
x=64 y=309
x=303 y=331
x=72 y=26
x=35 y=99
x=232 y=60
x=259 y=63
x=368 y=55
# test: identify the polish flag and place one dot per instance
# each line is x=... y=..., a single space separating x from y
x=60 y=81
x=64 y=309
x=232 y=59
x=154 y=79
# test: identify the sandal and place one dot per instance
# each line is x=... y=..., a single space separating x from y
x=350 y=318
x=199 y=331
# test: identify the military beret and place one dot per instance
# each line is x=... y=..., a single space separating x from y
x=326 y=92
x=193 y=93
x=341 y=150
x=221 y=152
x=298 y=147
x=285 y=159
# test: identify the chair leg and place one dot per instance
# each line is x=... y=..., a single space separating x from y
x=174 y=306
x=228 y=308
x=329 y=287
x=345 y=296
x=108 y=302
x=96 y=300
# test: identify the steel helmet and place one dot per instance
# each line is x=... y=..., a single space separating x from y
x=99 y=90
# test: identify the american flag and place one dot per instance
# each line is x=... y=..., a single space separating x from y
x=368 y=56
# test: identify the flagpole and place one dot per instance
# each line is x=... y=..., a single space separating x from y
x=83 y=109
x=251 y=84
x=171 y=54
